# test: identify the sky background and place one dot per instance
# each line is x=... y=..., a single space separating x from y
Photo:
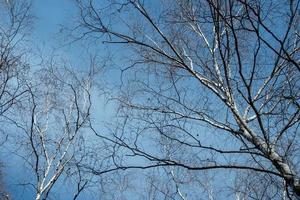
x=50 y=15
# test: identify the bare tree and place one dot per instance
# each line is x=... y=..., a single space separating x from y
x=54 y=120
x=15 y=20
x=212 y=85
x=14 y=26
x=46 y=110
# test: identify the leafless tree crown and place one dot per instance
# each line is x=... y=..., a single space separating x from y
x=211 y=85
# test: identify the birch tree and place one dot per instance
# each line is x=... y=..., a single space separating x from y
x=54 y=121
x=209 y=85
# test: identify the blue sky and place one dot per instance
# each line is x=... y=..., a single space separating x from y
x=50 y=14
